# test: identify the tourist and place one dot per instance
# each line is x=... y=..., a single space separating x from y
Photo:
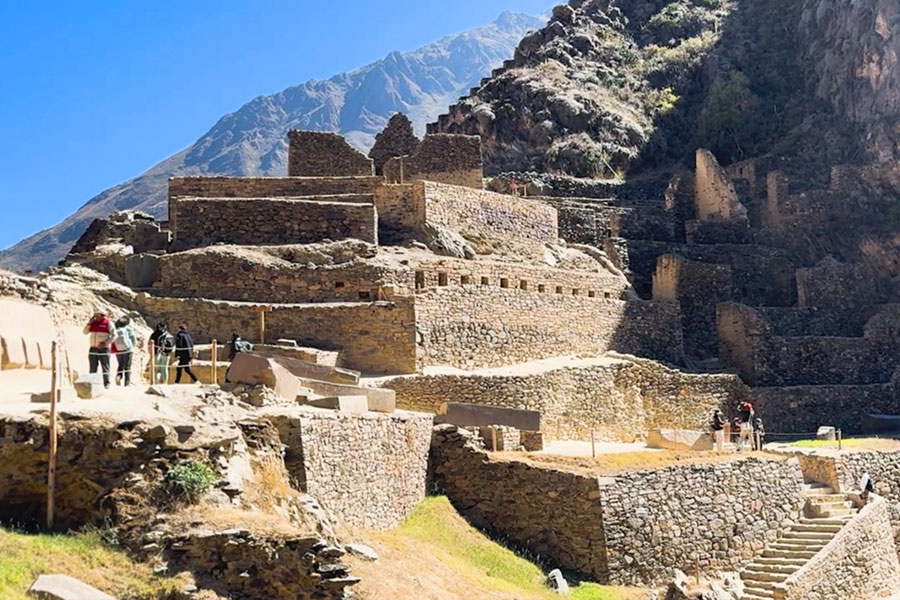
x=866 y=485
x=759 y=433
x=184 y=351
x=238 y=345
x=163 y=343
x=745 y=413
x=102 y=332
x=123 y=346
x=718 y=427
x=735 y=430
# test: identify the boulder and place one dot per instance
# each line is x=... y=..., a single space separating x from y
x=679 y=439
x=63 y=587
x=826 y=433
x=89 y=385
x=254 y=369
x=320 y=372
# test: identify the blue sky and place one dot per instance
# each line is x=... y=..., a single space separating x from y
x=95 y=92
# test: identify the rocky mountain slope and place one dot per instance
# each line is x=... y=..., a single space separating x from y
x=612 y=86
x=251 y=141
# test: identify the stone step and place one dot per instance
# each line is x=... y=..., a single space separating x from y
x=823 y=521
x=763 y=576
x=779 y=561
x=799 y=544
x=792 y=554
x=757 y=594
x=807 y=535
x=771 y=568
x=817 y=527
x=815 y=489
x=759 y=585
x=840 y=512
x=823 y=498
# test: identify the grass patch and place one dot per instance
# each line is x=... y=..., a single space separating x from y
x=852 y=443
x=82 y=555
x=471 y=560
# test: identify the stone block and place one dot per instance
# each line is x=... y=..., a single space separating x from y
x=65 y=395
x=532 y=441
x=379 y=399
x=63 y=587
x=679 y=439
x=308 y=370
x=253 y=369
x=475 y=415
x=141 y=270
x=89 y=385
x=351 y=405
x=826 y=433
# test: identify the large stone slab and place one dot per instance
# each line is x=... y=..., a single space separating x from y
x=379 y=399
x=478 y=415
x=679 y=439
x=63 y=587
x=351 y=405
x=253 y=369
x=308 y=370
x=141 y=270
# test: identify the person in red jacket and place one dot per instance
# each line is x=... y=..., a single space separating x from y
x=102 y=332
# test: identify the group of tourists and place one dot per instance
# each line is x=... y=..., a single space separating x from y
x=746 y=428
x=108 y=337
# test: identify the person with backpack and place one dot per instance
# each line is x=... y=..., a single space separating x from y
x=102 y=332
x=759 y=434
x=163 y=344
x=184 y=352
x=123 y=346
x=718 y=427
x=238 y=345
x=866 y=486
x=746 y=413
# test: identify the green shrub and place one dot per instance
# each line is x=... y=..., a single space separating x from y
x=190 y=480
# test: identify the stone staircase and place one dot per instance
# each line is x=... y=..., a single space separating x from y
x=826 y=513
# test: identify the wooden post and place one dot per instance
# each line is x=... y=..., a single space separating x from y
x=840 y=440
x=262 y=324
x=51 y=468
x=215 y=358
x=152 y=364
x=493 y=439
x=593 y=445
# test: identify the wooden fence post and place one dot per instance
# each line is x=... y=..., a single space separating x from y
x=51 y=468
x=840 y=439
x=215 y=356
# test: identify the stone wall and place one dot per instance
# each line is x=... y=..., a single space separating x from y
x=373 y=337
x=263 y=221
x=369 y=470
x=805 y=408
x=554 y=514
x=615 y=399
x=715 y=197
x=401 y=212
x=832 y=284
x=442 y=158
x=859 y=563
x=883 y=467
x=697 y=287
x=324 y=154
x=631 y=529
x=486 y=219
x=720 y=515
x=478 y=326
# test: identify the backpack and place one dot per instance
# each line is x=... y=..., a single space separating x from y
x=167 y=343
x=242 y=346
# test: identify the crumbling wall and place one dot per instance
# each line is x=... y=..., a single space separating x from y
x=373 y=337
x=324 y=154
x=369 y=470
x=442 y=158
x=478 y=326
x=397 y=139
x=264 y=221
x=715 y=195
x=612 y=399
x=805 y=408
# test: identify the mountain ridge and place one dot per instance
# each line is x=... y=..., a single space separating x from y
x=251 y=140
